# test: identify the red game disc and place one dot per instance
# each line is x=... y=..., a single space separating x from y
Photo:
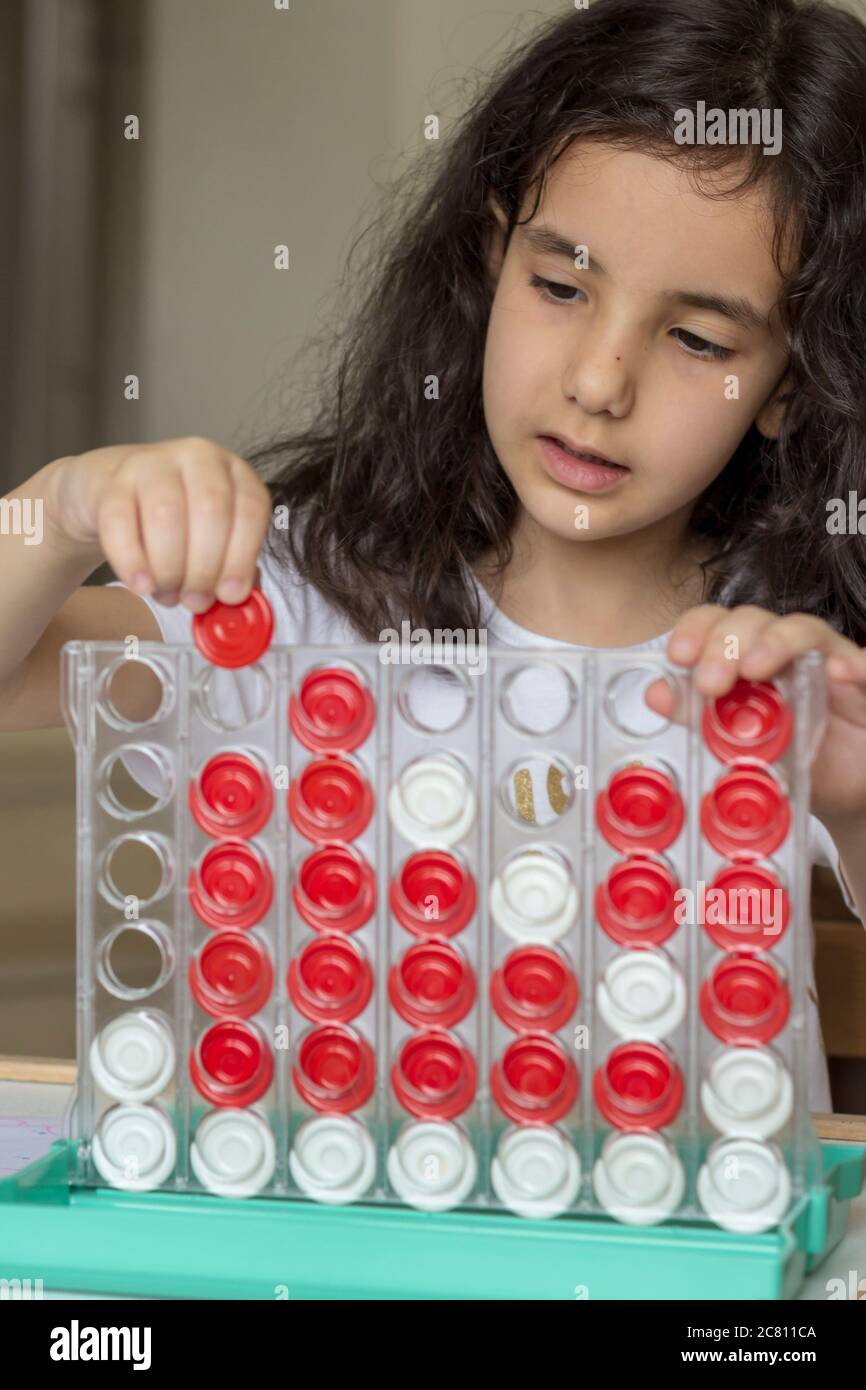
x=231 y=1064
x=534 y=1081
x=637 y=905
x=639 y=1086
x=745 y=1000
x=534 y=990
x=232 y=796
x=640 y=809
x=752 y=720
x=335 y=889
x=330 y=800
x=335 y=1070
x=433 y=894
x=331 y=980
x=234 y=634
x=434 y=1076
x=746 y=814
x=232 y=975
x=752 y=916
x=333 y=710
x=433 y=985
x=232 y=887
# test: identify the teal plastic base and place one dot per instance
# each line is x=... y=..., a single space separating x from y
x=156 y=1244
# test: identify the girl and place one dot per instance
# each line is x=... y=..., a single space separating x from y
x=599 y=391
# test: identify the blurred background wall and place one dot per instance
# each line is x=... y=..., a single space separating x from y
x=154 y=257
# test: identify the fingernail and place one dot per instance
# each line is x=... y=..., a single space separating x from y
x=757 y=656
x=711 y=674
x=681 y=648
x=198 y=602
x=231 y=590
x=169 y=598
x=839 y=666
x=141 y=582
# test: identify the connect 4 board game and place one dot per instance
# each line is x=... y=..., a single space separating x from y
x=421 y=934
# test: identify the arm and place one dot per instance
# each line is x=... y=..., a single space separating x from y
x=850 y=840
x=182 y=519
x=42 y=607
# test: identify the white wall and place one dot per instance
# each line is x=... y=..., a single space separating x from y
x=262 y=127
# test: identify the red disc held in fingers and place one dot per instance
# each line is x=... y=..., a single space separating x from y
x=434 y=1076
x=745 y=1000
x=231 y=1064
x=234 y=634
x=639 y=1086
x=331 y=800
x=746 y=908
x=232 y=975
x=232 y=887
x=331 y=980
x=335 y=889
x=433 y=894
x=752 y=720
x=332 y=710
x=640 y=809
x=746 y=814
x=534 y=990
x=636 y=905
x=335 y=1070
x=232 y=796
x=433 y=985
x=534 y=1081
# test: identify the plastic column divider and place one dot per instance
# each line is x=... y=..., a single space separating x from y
x=804 y=724
x=693 y=944
x=384 y=697
x=485 y=792
x=282 y=839
x=82 y=675
x=588 y=723
x=182 y=915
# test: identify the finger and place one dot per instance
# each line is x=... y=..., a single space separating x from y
x=792 y=635
x=209 y=504
x=848 y=666
x=250 y=520
x=162 y=513
x=120 y=537
x=667 y=696
x=735 y=632
x=686 y=642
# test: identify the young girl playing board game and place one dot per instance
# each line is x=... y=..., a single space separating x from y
x=606 y=388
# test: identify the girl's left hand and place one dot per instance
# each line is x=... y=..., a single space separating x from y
x=726 y=644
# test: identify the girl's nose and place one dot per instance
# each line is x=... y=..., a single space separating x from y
x=599 y=379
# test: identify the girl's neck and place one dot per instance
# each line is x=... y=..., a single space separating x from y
x=613 y=592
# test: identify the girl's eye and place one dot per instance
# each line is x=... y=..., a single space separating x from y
x=701 y=347
x=694 y=345
x=548 y=288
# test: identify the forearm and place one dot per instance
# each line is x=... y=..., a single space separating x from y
x=39 y=570
x=850 y=840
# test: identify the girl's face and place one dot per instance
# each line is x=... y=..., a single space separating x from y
x=659 y=354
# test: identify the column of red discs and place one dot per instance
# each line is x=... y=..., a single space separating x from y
x=331 y=980
x=745 y=817
x=231 y=888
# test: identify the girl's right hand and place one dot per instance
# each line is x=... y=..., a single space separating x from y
x=182 y=519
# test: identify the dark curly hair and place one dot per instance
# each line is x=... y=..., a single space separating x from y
x=392 y=495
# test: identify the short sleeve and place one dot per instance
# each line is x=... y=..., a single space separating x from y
x=824 y=852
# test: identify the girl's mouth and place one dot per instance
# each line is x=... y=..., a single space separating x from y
x=582 y=472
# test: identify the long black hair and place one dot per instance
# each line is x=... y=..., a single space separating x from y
x=393 y=488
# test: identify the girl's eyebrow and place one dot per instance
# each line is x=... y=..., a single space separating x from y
x=545 y=240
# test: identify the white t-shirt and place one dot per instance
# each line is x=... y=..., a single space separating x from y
x=302 y=615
